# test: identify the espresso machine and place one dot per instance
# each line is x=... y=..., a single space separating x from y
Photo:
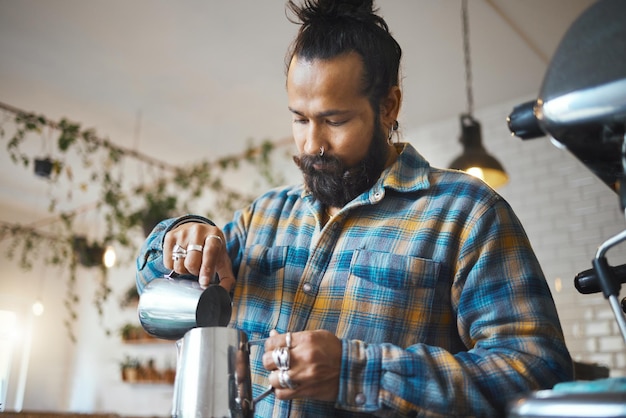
x=582 y=107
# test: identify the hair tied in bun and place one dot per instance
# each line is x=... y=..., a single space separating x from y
x=329 y=10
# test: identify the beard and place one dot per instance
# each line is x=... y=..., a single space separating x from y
x=332 y=183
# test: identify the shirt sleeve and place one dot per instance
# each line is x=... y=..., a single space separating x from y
x=505 y=317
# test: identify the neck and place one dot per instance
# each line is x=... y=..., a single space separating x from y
x=331 y=211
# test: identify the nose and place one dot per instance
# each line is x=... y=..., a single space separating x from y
x=314 y=138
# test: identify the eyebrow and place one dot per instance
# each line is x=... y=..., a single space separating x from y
x=324 y=114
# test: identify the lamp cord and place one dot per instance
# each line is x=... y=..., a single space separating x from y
x=466 y=52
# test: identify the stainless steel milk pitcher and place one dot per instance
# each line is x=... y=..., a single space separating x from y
x=169 y=307
x=213 y=375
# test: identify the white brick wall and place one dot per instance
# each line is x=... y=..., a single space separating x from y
x=567 y=212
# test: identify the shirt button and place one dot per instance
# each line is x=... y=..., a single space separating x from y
x=307 y=287
x=378 y=196
x=360 y=399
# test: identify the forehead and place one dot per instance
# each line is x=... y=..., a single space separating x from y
x=337 y=79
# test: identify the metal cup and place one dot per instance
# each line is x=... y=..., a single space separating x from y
x=213 y=374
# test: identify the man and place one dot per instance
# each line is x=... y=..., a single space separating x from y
x=398 y=288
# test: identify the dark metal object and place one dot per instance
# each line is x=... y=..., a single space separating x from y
x=588 y=282
x=582 y=101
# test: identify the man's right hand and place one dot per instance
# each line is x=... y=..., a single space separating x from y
x=198 y=249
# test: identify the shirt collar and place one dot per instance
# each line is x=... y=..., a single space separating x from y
x=408 y=173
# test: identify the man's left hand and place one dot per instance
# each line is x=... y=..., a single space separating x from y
x=314 y=365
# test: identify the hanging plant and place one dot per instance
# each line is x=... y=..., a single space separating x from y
x=158 y=205
x=101 y=165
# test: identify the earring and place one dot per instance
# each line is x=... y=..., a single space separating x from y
x=392 y=129
x=322 y=151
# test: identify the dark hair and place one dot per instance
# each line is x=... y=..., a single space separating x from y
x=334 y=27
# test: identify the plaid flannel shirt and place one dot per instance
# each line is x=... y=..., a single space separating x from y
x=427 y=278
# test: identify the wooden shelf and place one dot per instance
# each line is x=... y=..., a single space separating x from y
x=148 y=340
x=140 y=377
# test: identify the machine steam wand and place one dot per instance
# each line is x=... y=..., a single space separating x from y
x=610 y=284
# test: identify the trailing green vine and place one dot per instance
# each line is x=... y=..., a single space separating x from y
x=128 y=211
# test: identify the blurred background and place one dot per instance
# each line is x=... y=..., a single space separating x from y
x=161 y=87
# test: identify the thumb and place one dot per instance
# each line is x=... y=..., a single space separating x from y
x=225 y=272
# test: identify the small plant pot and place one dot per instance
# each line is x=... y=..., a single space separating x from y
x=43 y=167
x=89 y=255
x=132 y=374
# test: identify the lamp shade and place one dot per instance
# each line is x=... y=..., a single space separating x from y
x=475 y=159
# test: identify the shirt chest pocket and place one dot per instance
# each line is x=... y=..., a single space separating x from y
x=388 y=298
x=259 y=291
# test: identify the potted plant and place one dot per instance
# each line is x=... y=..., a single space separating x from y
x=126 y=332
x=130 y=369
x=89 y=254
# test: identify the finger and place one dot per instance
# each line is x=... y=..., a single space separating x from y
x=273 y=341
x=277 y=341
x=179 y=258
x=268 y=361
x=227 y=282
x=212 y=252
x=223 y=267
x=281 y=380
x=193 y=260
x=168 y=244
x=179 y=266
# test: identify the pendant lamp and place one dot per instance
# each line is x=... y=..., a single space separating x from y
x=475 y=159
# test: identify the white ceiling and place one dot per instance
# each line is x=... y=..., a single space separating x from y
x=187 y=80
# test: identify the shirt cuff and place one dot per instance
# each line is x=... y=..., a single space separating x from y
x=359 y=381
x=186 y=219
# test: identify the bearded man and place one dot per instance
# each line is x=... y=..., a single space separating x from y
x=398 y=289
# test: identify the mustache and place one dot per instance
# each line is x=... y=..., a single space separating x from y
x=314 y=164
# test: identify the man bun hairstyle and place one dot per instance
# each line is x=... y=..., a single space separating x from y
x=330 y=28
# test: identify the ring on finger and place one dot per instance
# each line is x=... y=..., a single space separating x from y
x=178 y=253
x=281 y=358
x=284 y=380
x=194 y=247
x=217 y=237
x=288 y=340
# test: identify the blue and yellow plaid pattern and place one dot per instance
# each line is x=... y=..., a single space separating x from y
x=427 y=278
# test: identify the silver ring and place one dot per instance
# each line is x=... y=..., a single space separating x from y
x=284 y=357
x=276 y=357
x=281 y=358
x=217 y=237
x=285 y=381
x=178 y=253
x=288 y=340
x=322 y=151
x=194 y=247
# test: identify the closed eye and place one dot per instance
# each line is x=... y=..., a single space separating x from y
x=336 y=123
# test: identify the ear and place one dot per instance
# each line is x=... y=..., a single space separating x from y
x=390 y=106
